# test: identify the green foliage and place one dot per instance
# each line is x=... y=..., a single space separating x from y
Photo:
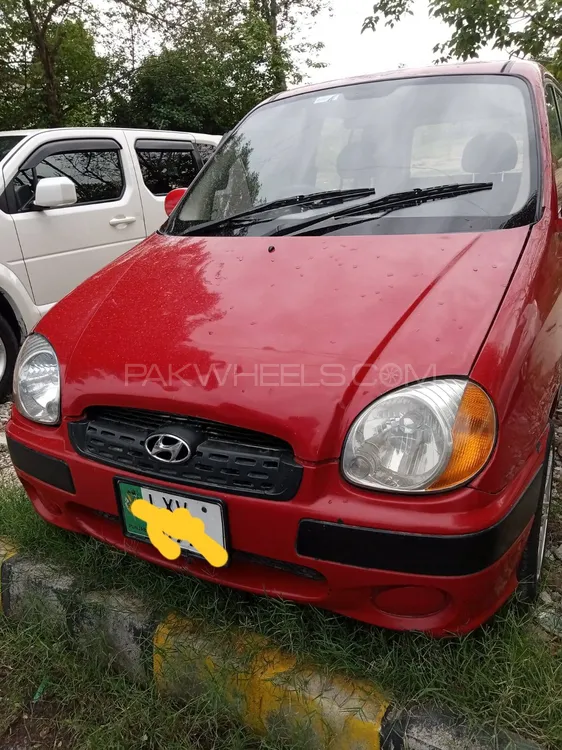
x=197 y=65
x=523 y=28
x=209 y=80
x=82 y=75
x=50 y=72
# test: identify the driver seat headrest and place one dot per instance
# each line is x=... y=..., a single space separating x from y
x=490 y=153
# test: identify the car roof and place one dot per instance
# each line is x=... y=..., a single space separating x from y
x=98 y=128
x=525 y=68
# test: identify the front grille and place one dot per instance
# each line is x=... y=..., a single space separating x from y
x=236 y=460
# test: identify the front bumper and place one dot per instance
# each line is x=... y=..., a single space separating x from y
x=442 y=565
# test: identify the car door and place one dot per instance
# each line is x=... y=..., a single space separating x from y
x=164 y=163
x=63 y=246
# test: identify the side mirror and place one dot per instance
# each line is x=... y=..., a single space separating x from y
x=54 y=192
x=173 y=198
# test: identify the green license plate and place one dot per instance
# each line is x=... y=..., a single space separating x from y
x=210 y=511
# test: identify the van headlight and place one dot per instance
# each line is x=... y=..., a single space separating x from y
x=425 y=437
x=37 y=381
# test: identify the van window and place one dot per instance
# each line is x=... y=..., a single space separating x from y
x=206 y=150
x=166 y=168
x=97 y=175
x=7 y=143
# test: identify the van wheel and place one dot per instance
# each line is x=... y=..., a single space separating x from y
x=8 y=353
x=531 y=565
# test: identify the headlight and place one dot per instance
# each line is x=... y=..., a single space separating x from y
x=421 y=438
x=37 y=381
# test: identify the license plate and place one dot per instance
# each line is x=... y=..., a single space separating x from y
x=210 y=511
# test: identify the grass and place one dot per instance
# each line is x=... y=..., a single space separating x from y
x=85 y=705
x=508 y=674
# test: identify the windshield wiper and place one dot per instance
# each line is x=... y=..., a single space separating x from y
x=244 y=218
x=388 y=203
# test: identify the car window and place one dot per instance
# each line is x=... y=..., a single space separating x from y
x=206 y=150
x=554 y=109
x=7 y=142
x=334 y=135
x=554 y=123
x=392 y=136
x=163 y=169
x=97 y=176
x=438 y=148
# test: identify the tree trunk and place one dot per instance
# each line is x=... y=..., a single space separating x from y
x=269 y=11
x=45 y=57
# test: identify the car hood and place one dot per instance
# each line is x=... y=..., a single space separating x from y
x=290 y=336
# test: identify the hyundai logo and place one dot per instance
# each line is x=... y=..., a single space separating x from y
x=169 y=449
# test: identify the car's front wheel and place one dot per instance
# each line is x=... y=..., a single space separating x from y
x=8 y=354
x=531 y=566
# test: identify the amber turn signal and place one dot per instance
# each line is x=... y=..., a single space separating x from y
x=474 y=433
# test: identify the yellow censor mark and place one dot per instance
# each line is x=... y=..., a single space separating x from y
x=164 y=527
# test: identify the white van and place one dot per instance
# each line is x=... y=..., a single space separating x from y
x=72 y=200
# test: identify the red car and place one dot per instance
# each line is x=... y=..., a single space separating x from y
x=342 y=352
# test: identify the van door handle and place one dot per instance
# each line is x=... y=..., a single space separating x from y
x=117 y=220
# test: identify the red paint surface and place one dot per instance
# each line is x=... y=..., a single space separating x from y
x=326 y=314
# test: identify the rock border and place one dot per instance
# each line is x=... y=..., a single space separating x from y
x=264 y=685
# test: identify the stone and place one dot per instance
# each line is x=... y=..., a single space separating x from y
x=36 y=587
x=545 y=598
x=120 y=626
x=551 y=621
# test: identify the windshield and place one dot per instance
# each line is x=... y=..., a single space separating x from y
x=7 y=142
x=390 y=136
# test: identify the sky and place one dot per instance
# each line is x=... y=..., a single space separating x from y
x=348 y=52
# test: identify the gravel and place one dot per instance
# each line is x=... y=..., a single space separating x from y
x=549 y=613
x=7 y=473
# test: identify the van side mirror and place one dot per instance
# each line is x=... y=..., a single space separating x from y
x=55 y=192
x=173 y=198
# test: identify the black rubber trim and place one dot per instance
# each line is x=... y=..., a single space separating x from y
x=434 y=555
x=50 y=470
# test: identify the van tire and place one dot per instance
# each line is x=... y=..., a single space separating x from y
x=8 y=352
x=531 y=565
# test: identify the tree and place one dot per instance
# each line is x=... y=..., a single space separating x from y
x=222 y=62
x=50 y=72
x=523 y=28
x=283 y=19
x=185 y=89
x=197 y=64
